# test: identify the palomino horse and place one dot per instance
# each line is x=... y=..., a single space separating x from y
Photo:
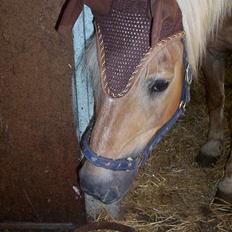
x=213 y=68
x=140 y=62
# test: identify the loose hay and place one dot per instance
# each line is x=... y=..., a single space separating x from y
x=172 y=193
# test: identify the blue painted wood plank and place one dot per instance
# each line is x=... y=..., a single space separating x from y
x=82 y=90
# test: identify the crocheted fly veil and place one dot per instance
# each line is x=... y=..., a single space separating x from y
x=123 y=39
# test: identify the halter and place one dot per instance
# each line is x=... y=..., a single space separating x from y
x=131 y=163
x=127 y=39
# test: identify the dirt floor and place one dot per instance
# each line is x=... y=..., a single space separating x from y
x=38 y=146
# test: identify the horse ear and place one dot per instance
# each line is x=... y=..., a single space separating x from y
x=101 y=7
x=67 y=18
x=71 y=11
x=166 y=19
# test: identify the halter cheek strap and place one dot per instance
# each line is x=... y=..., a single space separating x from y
x=131 y=163
x=185 y=98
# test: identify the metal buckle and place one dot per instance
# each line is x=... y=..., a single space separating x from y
x=182 y=105
x=130 y=160
x=188 y=75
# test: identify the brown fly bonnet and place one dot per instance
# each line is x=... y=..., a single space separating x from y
x=126 y=31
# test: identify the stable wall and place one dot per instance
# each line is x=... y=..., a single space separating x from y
x=38 y=146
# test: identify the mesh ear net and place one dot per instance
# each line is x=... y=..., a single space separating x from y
x=124 y=38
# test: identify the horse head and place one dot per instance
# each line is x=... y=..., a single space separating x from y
x=140 y=92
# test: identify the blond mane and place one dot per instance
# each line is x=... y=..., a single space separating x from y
x=201 y=18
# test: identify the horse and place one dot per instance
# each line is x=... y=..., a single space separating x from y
x=213 y=68
x=142 y=59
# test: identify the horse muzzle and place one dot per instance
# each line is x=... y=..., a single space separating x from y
x=105 y=185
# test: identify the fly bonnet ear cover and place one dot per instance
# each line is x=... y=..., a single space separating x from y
x=127 y=33
x=124 y=38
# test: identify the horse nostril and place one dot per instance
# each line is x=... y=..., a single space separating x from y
x=86 y=185
x=111 y=196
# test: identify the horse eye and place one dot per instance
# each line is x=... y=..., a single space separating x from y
x=158 y=86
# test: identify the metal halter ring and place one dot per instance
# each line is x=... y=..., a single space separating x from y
x=183 y=105
x=188 y=75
